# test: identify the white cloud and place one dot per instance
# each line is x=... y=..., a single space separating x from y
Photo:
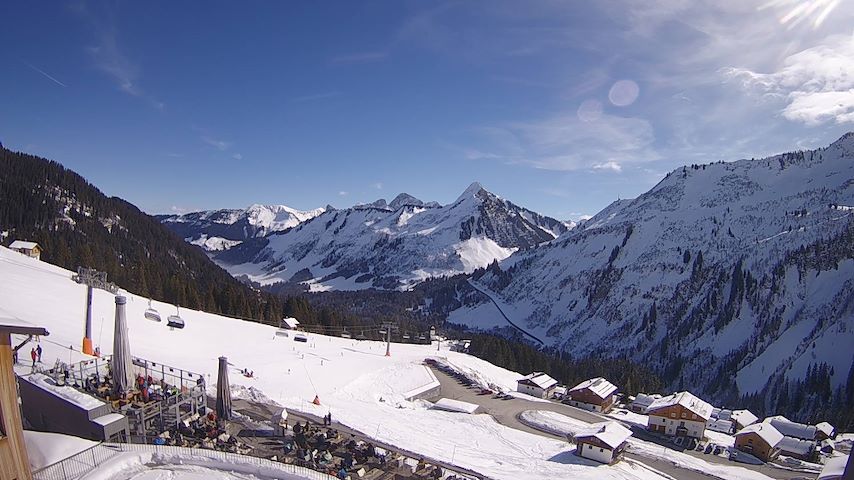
x=378 y=185
x=220 y=145
x=343 y=193
x=817 y=84
x=237 y=156
x=612 y=166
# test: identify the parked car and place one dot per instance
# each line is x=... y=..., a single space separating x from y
x=718 y=450
x=709 y=448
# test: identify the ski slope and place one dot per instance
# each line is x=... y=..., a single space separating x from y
x=353 y=379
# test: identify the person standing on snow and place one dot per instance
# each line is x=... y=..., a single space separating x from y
x=34 y=356
x=39 y=352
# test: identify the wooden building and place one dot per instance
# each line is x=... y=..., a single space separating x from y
x=537 y=384
x=602 y=442
x=14 y=463
x=596 y=394
x=681 y=414
x=30 y=249
x=761 y=440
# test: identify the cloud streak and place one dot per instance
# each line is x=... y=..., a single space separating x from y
x=45 y=74
x=216 y=143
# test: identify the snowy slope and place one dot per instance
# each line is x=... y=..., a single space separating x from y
x=393 y=245
x=354 y=380
x=216 y=230
x=760 y=303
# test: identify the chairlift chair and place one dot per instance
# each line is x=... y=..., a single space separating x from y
x=175 y=321
x=151 y=313
x=345 y=334
x=406 y=336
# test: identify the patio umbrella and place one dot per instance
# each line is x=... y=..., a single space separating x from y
x=121 y=363
x=223 y=391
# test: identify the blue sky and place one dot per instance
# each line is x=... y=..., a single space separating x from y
x=561 y=107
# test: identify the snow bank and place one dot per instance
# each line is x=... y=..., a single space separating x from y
x=46 y=449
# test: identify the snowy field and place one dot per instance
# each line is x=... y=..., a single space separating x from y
x=353 y=379
x=556 y=423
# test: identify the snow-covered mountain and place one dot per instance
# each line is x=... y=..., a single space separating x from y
x=725 y=277
x=393 y=244
x=217 y=230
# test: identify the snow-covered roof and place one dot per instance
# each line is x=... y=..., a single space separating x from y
x=71 y=395
x=719 y=425
x=599 y=386
x=108 y=419
x=22 y=244
x=790 y=428
x=644 y=400
x=766 y=431
x=611 y=433
x=744 y=417
x=560 y=390
x=825 y=428
x=455 y=405
x=724 y=414
x=290 y=322
x=795 y=445
x=539 y=379
x=834 y=468
x=687 y=400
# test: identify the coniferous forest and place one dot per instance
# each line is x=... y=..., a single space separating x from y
x=77 y=225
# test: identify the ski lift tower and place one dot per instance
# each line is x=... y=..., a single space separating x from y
x=387 y=328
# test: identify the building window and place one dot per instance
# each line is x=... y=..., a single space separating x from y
x=601 y=451
x=673 y=415
x=590 y=447
x=684 y=415
x=682 y=424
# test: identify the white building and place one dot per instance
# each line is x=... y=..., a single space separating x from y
x=792 y=429
x=681 y=414
x=642 y=401
x=537 y=384
x=290 y=323
x=602 y=442
x=743 y=418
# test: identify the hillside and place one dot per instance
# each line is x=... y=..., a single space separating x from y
x=735 y=279
x=392 y=245
x=361 y=387
x=77 y=225
x=216 y=230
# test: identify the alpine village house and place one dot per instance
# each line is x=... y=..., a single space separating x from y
x=681 y=414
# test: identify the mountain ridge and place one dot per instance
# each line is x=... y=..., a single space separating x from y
x=382 y=245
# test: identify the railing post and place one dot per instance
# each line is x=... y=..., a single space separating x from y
x=64 y=475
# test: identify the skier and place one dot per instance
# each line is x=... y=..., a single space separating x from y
x=39 y=352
